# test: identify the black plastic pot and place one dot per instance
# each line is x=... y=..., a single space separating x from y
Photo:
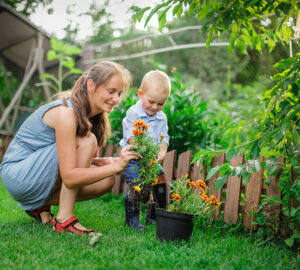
x=173 y=226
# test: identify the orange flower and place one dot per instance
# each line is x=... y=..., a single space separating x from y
x=138 y=123
x=202 y=191
x=201 y=184
x=137 y=188
x=176 y=197
x=145 y=127
x=135 y=132
x=152 y=162
x=161 y=136
x=214 y=200
x=138 y=132
x=204 y=197
x=155 y=182
x=193 y=185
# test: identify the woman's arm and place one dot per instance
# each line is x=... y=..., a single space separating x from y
x=65 y=125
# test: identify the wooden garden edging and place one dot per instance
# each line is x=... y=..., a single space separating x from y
x=233 y=204
x=237 y=198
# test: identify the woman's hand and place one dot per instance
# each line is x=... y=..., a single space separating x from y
x=126 y=155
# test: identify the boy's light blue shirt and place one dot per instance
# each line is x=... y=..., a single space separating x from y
x=158 y=124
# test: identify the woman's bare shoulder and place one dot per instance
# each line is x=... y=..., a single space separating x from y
x=60 y=114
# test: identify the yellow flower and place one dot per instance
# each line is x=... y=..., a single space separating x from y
x=214 y=200
x=193 y=185
x=137 y=188
x=155 y=182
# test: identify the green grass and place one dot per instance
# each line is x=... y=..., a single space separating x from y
x=24 y=244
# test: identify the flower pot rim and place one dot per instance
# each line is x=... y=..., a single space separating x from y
x=167 y=213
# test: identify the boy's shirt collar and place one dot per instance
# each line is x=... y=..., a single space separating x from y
x=142 y=113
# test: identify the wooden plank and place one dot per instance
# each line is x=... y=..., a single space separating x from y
x=109 y=151
x=253 y=194
x=184 y=161
x=118 y=177
x=169 y=165
x=217 y=160
x=197 y=174
x=273 y=188
x=233 y=192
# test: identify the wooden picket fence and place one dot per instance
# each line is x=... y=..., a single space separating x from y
x=237 y=198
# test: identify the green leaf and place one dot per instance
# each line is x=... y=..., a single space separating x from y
x=218 y=168
x=286 y=33
x=210 y=35
x=70 y=50
x=157 y=8
x=69 y=63
x=52 y=55
x=234 y=32
x=139 y=12
x=221 y=181
x=290 y=241
x=56 y=45
x=162 y=18
x=255 y=150
x=246 y=177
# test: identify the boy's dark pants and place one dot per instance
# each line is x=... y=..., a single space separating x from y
x=132 y=209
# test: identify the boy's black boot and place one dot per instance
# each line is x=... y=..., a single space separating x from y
x=132 y=214
x=150 y=215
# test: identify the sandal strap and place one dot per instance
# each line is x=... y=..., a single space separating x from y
x=37 y=213
x=68 y=225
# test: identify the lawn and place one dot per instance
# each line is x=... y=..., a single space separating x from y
x=24 y=244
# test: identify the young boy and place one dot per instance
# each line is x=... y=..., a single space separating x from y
x=153 y=93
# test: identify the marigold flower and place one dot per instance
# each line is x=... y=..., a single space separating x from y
x=201 y=184
x=145 y=127
x=138 y=123
x=155 y=182
x=152 y=162
x=137 y=188
x=202 y=191
x=204 y=197
x=161 y=136
x=214 y=200
x=193 y=185
x=135 y=132
x=176 y=197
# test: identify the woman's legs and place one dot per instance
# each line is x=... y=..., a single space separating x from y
x=66 y=197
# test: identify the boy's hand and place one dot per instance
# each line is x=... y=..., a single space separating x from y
x=163 y=151
x=161 y=156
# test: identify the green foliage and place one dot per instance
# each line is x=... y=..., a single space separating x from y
x=247 y=20
x=62 y=52
x=29 y=6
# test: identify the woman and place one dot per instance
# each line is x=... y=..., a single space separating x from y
x=52 y=159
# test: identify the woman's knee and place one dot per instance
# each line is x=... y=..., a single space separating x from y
x=88 y=142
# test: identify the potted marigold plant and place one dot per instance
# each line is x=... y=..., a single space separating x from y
x=188 y=200
x=140 y=189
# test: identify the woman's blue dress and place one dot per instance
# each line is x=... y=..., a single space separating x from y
x=30 y=164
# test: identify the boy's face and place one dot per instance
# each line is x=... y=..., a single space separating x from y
x=152 y=101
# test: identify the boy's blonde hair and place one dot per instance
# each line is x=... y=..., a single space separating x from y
x=158 y=80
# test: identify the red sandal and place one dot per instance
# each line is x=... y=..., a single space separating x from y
x=36 y=214
x=68 y=225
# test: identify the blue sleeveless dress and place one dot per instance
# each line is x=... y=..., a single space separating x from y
x=30 y=164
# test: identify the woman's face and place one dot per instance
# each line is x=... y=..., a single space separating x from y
x=105 y=96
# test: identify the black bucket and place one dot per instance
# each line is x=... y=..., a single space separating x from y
x=173 y=226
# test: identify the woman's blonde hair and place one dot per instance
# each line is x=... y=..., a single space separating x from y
x=99 y=124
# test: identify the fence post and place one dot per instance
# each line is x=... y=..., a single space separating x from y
x=184 y=161
x=168 y=165
x=217 y=160
x=253 y=194
x=233 y=193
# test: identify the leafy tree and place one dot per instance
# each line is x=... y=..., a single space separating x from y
x=29 y=6
x=275 y=132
